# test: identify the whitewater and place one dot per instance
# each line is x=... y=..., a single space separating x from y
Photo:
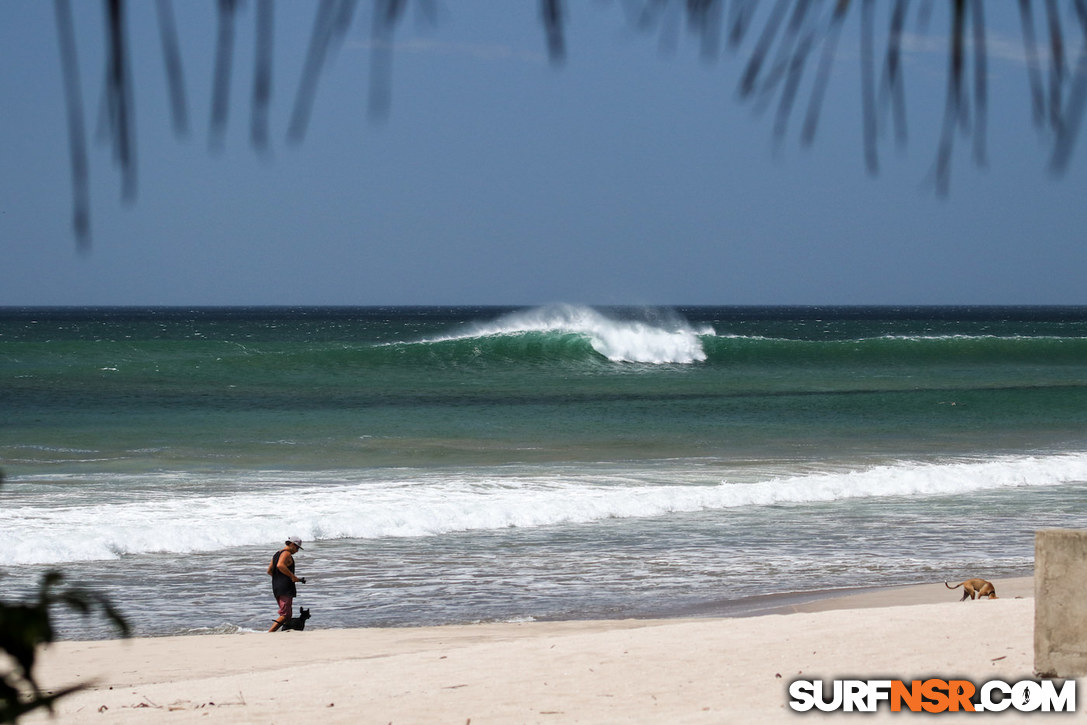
x=216 y=512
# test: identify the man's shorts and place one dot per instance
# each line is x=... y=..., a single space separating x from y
x=285 y=605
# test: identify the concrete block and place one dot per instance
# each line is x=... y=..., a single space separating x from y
x=1060 y=604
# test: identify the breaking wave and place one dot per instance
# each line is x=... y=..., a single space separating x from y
x=656 y=338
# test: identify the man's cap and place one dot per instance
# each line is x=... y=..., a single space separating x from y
x=296 y=541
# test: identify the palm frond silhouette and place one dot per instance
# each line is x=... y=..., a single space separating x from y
x=793 y=57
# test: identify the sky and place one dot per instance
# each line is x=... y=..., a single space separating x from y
x=631 y=173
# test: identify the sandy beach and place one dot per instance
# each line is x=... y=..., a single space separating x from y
x=703 y=670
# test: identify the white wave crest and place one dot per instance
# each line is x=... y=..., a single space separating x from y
x=413 y=503
x=660 y=338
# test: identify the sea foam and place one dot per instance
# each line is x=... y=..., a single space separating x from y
x=421 y=503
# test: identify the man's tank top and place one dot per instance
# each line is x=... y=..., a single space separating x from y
x=282 y=585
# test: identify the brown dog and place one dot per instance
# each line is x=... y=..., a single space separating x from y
x=974 y=588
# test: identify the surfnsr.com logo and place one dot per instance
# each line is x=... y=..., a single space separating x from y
x=933 y=695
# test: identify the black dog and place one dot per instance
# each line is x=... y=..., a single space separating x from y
x=297 y=623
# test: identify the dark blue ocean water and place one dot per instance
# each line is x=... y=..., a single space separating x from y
x=466 y=464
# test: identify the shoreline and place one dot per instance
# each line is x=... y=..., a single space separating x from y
x=829 y=599
x=696 y=669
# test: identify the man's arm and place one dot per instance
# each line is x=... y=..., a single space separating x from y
x=284 y=566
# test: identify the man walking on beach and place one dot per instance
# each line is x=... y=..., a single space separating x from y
x=283 y=580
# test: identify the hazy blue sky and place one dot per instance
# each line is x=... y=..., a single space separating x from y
x=629 y=175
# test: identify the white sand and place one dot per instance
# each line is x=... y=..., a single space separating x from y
x=645 y=671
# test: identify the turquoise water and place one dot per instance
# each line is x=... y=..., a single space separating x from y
x=466 y=464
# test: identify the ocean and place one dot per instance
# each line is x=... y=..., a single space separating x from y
x=457 y=465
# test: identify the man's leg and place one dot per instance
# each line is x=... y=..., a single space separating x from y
x=286 y=605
